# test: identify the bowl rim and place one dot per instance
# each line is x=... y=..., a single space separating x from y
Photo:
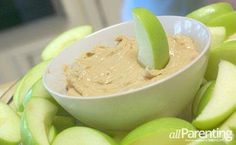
x=139 y=89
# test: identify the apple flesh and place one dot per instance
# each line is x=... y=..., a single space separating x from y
x=223 y=100
x=82 y=136
x=153 y=49
x=227 y=20
x=9 y=126
x=37 y=121
x=232 y=37
x=218 y=35
x=209 y=12
x=63 y=40
x=202 y=97
x=26 y=83
x=157 y=132
x=226 y=51
x=230 y=123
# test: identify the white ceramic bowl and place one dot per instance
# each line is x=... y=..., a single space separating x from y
x=126 y=110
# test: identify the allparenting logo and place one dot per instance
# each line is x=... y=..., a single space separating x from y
x=206 y=135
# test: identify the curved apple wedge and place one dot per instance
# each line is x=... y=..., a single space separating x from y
x=227 y=20
x=202 y=97
x=159 y=132
x=153 y=49
x=82 y=136
x=36 y=121
x=211 y=11
x=9 y=126
x=226 y=51
x=37 y=90
x=223 y=100
x=26 y=83
x=64 y=40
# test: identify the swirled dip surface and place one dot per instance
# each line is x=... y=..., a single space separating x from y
x=107 y=70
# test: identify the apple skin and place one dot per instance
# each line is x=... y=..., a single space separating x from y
x=202 y=97
x=226 y=51
x=209 y=12
x=157 y=132
x=206 y=97
x=9 y=126
x=36 y=121
x=227 y=20
x=63 y=40
x=26 y=83
x=223 y=100
x=83 y=136
x=151 y=38
x=52 y=134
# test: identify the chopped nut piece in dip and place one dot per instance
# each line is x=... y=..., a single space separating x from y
x=106 y=70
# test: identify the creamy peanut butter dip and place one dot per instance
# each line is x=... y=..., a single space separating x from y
x=106 y=70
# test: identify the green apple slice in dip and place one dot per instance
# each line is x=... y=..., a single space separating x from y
x=151 y=38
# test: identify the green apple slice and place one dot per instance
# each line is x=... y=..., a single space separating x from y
x=227 y=20
x=230 y=123
x=226 y=51
x=153 y=49
x=218 y=35
x=63 y=40
x=52 y=134
x=157 y=132
x=36 y=121
x=9 y=126
x=63 y=122
x=82 y=136
x=223 y=100
x=209 y=12
x=232 y=37
x=37 y=90
x=202 y=97
x=27 y=82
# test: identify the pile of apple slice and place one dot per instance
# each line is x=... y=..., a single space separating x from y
x=215 y=103
x=35 y=118
x=221 y=20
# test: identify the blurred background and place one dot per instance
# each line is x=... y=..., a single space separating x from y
x=27 y=26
